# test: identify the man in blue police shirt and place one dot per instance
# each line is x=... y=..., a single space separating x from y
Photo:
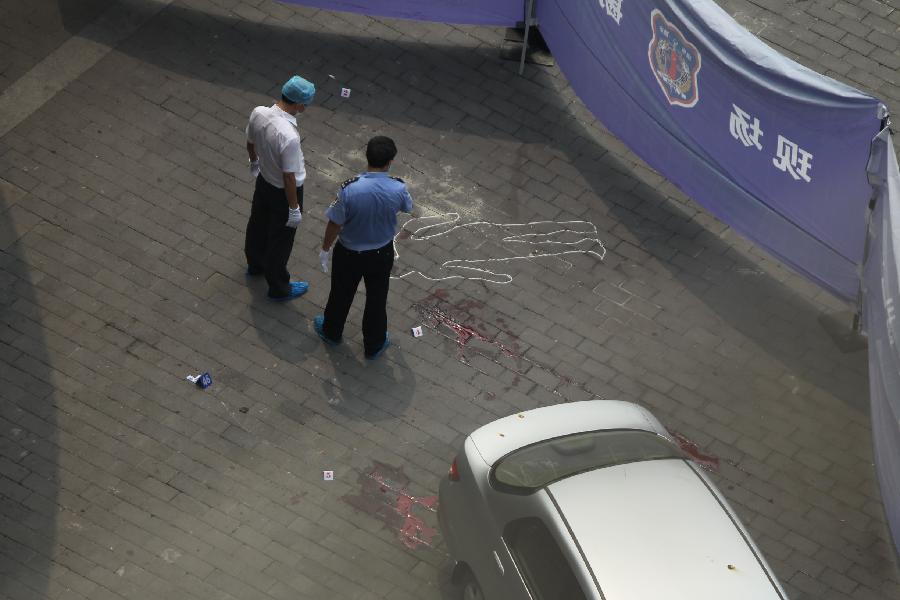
x=363 y=220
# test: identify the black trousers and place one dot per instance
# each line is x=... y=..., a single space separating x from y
x=269 y=242
x=347 y=268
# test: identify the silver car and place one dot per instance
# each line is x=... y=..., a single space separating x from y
x=592 y=500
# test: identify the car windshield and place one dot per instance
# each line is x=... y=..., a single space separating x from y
x=540 y=464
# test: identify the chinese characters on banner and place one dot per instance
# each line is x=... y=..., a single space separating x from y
x=792 y=159
x=789 y=157
x=742 y=130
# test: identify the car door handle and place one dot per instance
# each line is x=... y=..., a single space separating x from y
x=499 y=563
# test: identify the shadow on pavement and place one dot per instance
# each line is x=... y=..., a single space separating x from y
x=366 y=390
x=76 y=14
x=363 y=390
x=29 y=461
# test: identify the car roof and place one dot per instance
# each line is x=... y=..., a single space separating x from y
x=497 y=439
x=656 y=529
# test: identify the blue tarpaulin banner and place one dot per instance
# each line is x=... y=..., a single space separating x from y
x=773 y=149
x=881 y=289
x=505 y=13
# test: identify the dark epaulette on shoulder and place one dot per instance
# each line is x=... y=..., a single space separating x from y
x=349 y=181
x=398 y=179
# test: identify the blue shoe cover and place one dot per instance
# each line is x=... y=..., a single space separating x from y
x=298 y=288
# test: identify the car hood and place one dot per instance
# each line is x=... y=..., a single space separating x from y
x=656 y=529
x=497 y=439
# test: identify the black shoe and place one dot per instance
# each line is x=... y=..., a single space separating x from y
x=380 y=351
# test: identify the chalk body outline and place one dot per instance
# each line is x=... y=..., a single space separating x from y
x=484 y=274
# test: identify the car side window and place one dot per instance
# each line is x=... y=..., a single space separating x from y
x=540 y=561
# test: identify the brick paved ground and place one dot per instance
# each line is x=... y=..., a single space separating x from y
x=857 y=41
x=124 y=199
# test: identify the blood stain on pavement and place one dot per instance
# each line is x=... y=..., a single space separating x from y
x=706 y=461
x=384 y=494
x=437 y=310
x=466 y=319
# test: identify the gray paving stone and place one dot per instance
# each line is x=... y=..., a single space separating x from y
x=108 y=310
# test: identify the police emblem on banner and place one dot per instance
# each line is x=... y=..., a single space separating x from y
x=675 y=62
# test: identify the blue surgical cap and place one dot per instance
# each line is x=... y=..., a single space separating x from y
x=298 y=90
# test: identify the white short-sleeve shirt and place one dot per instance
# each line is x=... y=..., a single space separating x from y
x=273 y=133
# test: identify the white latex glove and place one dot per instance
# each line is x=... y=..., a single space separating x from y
x=294 y=217
x=254 y=168
x=323 y=260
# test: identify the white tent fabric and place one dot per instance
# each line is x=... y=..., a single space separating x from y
x=881 y=289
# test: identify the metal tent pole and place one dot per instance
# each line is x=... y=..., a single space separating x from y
x=529 y=21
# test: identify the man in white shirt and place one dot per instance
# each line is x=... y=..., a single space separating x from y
x=276 y=162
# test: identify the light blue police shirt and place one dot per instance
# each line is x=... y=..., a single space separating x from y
x=366 y=209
